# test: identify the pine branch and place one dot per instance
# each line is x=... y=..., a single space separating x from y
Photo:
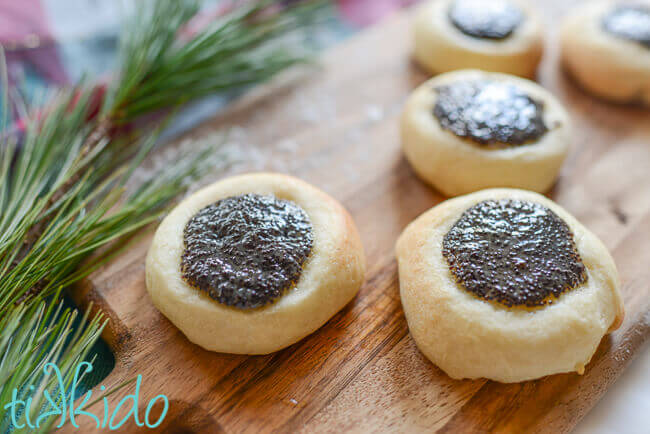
x=62 y=188
x=33 y=336
x=243 y=46
x=157 y=71
x=93 y=214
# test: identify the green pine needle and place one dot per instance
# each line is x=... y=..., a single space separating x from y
x=32 y=336
x=94 y=214
x=245 y=46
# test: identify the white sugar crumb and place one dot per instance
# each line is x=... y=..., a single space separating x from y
x=353 y=135
x=374 y=113
x=246 y=155
x=287 y=145
x=293 y=401
x=228 y=150
x=261 y=142
x=314 y=107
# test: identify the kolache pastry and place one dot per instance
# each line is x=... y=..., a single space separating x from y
x=254 y=263
x=468 y=130
x=505 y=284
x=606 y=49
x=496 y=35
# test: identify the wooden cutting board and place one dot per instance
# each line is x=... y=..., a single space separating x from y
x=338 y=129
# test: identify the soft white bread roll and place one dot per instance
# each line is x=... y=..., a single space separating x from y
x=607 y=64
x=440 y=45
x=330 y=276
x=515 y=324
x=458 y=165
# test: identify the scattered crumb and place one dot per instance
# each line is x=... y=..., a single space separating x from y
x=619 y=214
x=287 y=145
x=374 y=113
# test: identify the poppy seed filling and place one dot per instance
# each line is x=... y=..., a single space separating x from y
x=496 y=19
x=514 y=252
x=629 y=22
x=246 y=251
x=489 y=112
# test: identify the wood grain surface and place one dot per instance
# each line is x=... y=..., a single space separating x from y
x=337 y=128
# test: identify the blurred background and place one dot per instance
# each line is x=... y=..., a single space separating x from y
x=57 y=41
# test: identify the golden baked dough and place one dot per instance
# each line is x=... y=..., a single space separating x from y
x=330 y=278
x=439 y=46
x=455 y=165
x=469 y=337
x=607 y=65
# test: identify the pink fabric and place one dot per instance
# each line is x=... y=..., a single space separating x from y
x=365 y=12
x=21 y=20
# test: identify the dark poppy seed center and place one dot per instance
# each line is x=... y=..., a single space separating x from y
x=631 y=22
x=514 y=252
x=489 y=112
x=246 y=251
x=494 y=19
